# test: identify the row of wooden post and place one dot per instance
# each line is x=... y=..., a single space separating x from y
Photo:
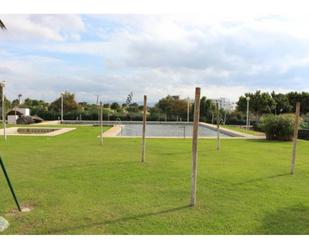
x=195 y=139
x=194 y=135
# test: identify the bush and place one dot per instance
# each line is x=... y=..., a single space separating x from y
x=235 y=118
x=278 y=127
x=305 y=123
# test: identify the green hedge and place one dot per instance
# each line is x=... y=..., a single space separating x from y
x=278 y=127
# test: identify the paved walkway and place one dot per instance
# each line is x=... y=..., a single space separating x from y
x=13 y=131
x=54 y=122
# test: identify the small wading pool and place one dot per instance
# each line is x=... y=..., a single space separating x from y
x=35 y=131
x=168 y=130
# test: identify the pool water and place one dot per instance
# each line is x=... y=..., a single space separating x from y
x=167 y=130
x=35 y=130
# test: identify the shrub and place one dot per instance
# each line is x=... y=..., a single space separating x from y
x=236 y=118
x=278 y=127
x=305 y=123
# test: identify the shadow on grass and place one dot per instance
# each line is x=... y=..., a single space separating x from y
x=289 y=221
x=260 y=179
x=123 y=219
x=265 y=141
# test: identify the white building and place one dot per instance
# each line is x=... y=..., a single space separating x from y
x=224 y=104
x=15 y=113
x=24 y=111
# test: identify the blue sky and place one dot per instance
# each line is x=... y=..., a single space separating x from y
x=112 y=55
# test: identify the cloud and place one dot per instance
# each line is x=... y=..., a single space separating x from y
x=42 y=27
x=158 y=55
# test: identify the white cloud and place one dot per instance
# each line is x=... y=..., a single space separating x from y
x=42 y=27
x=157 y=55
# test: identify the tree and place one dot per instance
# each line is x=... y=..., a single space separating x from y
x=133 y=107
x=115 y=106
x=69 y=103
x=155 y=113
x=282 y=104
x=259 y=104
x=83 y=105
x=129 y=99
x=173 y=106
x=34 y=104
x=165 y=105
x=303 y=98
x=15 y=103
x=207 y=107
x=304 y=102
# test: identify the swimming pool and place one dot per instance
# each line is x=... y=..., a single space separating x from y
x=168 y=130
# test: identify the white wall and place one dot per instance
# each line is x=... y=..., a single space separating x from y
x=25 y=111
x=12 y=119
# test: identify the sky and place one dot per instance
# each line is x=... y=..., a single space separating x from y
x=156 y=55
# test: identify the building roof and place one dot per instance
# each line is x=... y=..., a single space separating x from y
x=36 y=117
x=14 y=112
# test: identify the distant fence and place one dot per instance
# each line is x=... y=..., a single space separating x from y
x=92 y=122
x=303 y=134
x=111 y=123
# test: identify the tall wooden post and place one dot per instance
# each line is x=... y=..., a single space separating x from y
x=101 y=123
x=144 y=129
x=296 y=124
x=218 y=127
x=2 y=85
x=61 y=108
x=194 y=144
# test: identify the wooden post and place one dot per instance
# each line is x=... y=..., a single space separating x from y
x=144 y=129
x=61 y=108
x=101 y=123
x=2 y=85
x=296 y=124
x=218 y=127
x=194 y=144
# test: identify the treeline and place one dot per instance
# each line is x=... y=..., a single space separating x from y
x=169 y=108
x=277 y=103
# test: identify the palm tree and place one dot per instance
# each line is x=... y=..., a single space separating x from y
x=2 y=26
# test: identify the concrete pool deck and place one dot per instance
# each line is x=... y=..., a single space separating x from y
x=113 y=132
x=235 y=134
x=116 y=130
x=13 y=131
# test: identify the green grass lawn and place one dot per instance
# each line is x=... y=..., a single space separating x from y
x=240 y=129
x=76 y=186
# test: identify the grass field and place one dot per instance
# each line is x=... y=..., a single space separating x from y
x=76 y=186
x=239 y=129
